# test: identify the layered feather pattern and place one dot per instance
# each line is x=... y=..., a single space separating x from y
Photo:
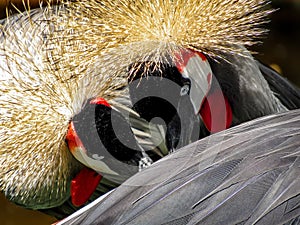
x=53 y=59
x=248 y=174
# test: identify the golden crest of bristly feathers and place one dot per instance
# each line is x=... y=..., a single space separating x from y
x=128 y=31
x=52 y=61
x=37 y=101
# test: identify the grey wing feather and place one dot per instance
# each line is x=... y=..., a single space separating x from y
x=245 y=175
x=285 y=91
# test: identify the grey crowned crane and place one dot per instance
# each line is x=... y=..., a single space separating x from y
x=248 y=174
x=93 y=92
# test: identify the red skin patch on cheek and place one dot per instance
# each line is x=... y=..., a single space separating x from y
x=201 y=56
x=216 y=112
x=72 y=139
x=182 y=59
x=87 y=180
x=184 y=56
x=100 y=101
x=83 y=186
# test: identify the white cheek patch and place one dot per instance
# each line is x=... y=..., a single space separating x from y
x=198 y=70
x=96 y=164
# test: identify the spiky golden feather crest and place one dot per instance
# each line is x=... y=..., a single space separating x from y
x=82 y=50
x=36 y=104
x=145 y=30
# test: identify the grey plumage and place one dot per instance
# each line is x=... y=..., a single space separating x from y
x=248 y=174
x=286 y=92
x=238 y=88
x=248 y=92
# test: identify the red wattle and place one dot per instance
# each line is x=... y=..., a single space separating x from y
x=83 y=186
x=216 y=112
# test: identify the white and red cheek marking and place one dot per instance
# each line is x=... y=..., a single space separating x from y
x=74 y=142
x=100 y=101
x=86 y=181
x=213 y=106
x=194 y=66
x=78 y=150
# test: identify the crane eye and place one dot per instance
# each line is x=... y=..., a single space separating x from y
x=195 y=68
x=185 y=90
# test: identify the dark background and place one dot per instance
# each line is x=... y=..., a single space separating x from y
x=282 y=46
x=281 y=49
